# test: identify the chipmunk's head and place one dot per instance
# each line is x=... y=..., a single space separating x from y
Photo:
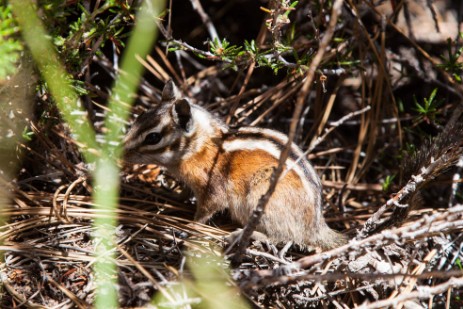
x=163 y=135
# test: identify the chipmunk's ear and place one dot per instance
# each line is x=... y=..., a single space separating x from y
x=181 y=113
x=170 y=91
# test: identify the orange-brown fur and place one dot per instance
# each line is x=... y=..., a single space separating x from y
x=209 y=171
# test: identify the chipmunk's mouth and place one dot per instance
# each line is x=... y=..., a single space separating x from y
x=131 y=157
x=137 y=157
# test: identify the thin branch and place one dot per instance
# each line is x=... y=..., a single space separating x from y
x=334 y=125
x=337 y=276
x=434 y=15
x=320 y=139
x=206 y=20
x=260 y=209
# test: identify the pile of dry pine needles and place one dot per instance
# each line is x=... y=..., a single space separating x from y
x=354 y=131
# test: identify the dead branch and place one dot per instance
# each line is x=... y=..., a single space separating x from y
x=206 y=21
x=423 y=292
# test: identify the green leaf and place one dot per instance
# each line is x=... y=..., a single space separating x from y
x=27 y=134
x=10 y=46
x=388 y=182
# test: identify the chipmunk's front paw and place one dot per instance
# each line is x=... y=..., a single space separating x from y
x=235 y=237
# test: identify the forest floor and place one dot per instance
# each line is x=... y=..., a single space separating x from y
x=381 y=119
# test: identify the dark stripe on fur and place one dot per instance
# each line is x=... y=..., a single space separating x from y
x=280 y=145
x=147 y=121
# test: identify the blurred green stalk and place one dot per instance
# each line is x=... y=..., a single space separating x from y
x=57 y=79
x=106 y=174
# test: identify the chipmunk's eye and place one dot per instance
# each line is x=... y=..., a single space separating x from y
x=152 y=138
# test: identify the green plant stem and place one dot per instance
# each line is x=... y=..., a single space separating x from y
x=140 y=43
x=106 y=174
x=106 y=192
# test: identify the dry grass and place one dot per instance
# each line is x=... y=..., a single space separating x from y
x=47 y=240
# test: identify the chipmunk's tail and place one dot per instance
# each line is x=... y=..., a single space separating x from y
x=329 y=238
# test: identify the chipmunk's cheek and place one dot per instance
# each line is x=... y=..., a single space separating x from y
x=166 y=158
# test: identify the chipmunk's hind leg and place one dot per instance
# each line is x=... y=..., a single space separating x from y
x=202 y=215
x=235 y=236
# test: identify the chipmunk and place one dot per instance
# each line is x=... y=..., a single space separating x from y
x=231 y=169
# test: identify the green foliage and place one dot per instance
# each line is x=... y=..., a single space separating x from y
x=292 y=6
x=388 y=182
x=451 y=63
x=459 y=264
x=27 y=134
x=428 y=109
x=209 y=288
x=410 y=149
x=282 y=53
x=224 y=50
x=77 y=32
x=236 y=56
x=10 y=47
